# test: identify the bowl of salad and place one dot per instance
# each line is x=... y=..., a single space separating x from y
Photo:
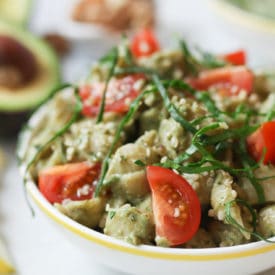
x=162 y=159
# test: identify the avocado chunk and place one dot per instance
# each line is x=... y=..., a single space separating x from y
x=29 y=71
x=86 y=212
x=130 y=224
x=15 y=11
x=267 y=221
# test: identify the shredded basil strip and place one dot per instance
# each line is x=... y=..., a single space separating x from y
x=204 y=130
x=204 y=60
x=230 y=134
x=186 y=155
x=201 y=96
x=126 y=51
x=134 y=70
x=265 y=178
x=76 y=112
x=191 y=62
x=53 y=92
x=204 y=97
x=109 y=56
x=171 y=108
x=105 y=165
x=210 y=61
x=197 y=167
x=244 y=110
x=233 y=222
x=199 y=135
x=198 y=120
x=271 y=114
x=249 y=165
x=207 y=159
x=110 y=74
x=206 y=164
x=140 y=163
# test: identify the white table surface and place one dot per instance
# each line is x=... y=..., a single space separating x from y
x=36 y=248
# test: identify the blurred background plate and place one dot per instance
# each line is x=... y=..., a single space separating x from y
x=247 y=14
x=249 y=24
x=60 y=21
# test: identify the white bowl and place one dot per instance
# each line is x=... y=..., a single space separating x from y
x=242 y=259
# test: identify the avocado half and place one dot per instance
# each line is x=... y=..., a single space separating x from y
x=16 y=103
x=15 y=11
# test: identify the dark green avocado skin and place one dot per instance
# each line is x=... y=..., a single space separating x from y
x=10 y=123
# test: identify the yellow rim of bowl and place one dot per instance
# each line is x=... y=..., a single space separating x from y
x=76 y=228
x=239 y=16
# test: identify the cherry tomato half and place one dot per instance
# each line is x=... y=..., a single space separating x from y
x=176 y=206
x=65 y=181
x=235 y=58
x=261 y=143
x=227 y=80
x=144 y=43
x=120 y=94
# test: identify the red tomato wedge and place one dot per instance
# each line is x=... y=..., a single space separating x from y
x=261 y=143
x=65 y=181
x=144 y=43
x=235 y=58
x=120 y=93
x=227 y=80
x=176 y=206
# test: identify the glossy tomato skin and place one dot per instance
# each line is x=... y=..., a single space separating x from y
x=120 y=93
x=63 y=181
x=144 y=43
x=261 y=143
x=227 y=80
x=176 y=206
x=236 y=58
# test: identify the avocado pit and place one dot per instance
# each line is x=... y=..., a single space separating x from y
x=18 y=66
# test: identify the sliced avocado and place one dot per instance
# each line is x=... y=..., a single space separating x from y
x=15 y=11
x=29 y=71
x=32 y=93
